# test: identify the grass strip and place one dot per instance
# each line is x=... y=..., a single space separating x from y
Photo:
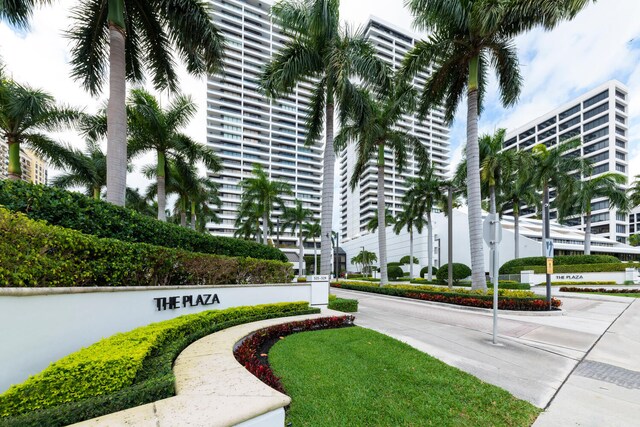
x=358 y=377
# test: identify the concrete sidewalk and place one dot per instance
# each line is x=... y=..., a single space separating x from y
x=604 y=388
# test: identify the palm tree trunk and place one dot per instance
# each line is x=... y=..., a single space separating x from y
x=265 y=218
x=301 y=254
x=183 y=214
x=162 y=193
x=116 y=115
x=478 y=280
x=587 y=235
x=329 y=159
x=411 y=253
x=96 y=193
x=492 y=199
x=382 y=229
x=516 y=232
x=257 y=230
x=429 y=247
x=14 y=170
x=193 y=215
x=315 y=257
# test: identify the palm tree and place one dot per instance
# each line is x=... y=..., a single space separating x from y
x=374 y=132
x=516 y=191
x=318 y=48
x=409 y=218
x=389 y=219
x=132 y=38
x=247 y=222
x=366 y=259
x=201 y=197
x=467 y=37
x=264 y=195
x=497 y=167
x=181 y=179
x=86 y=169
x=153 y=128
x=578 y=200
x=25 y=114
x=312 y=230
x=424 y=193
x=18 y=12
x=634 y=192
x=557 y=168
x=294 y=218
x=139 y=203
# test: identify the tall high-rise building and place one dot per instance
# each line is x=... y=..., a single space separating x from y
x=358 y=207
x=34 y=168
x=600 y=119
x=246 y=128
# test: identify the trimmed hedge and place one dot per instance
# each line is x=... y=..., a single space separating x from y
x=515 y=266
x=460 y=271
x=343 y=304
x=501 y=285
x=507 y=300
x=79 y=212
x=571 y=283
x=394 y=272
x=423 y=281
x=35 y=254
x=405 y=260
x=584 y=268
x=600 y=290
x=124 y=370
x=425 y=270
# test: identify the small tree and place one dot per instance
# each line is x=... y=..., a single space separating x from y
x=366 y=260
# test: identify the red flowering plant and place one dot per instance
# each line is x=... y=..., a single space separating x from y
x=252 y=350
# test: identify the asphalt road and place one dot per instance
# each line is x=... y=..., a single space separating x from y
x=535 y=353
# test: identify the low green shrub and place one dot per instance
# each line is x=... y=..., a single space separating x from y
x=460 y=271
x=130 y=368
x=35 y=254
x=79 y=212
x=343 y=304
x=424 y=271
x=419 y=281
x=394 y=272
x=583 y=268
x=574 y=283
x=600 y=290
x=501 y=285
x=301 y=279
x=515 y=266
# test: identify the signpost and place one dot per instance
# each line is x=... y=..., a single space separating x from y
x=548 y=249
x=492 y=233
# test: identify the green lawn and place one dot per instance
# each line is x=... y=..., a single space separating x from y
x=358 y=377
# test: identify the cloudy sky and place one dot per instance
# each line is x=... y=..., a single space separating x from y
x=602 y=43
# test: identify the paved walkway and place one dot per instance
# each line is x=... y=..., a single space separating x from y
x=604 y=388
x=535 y=354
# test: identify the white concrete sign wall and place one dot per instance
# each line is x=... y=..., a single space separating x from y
x=40 y=325
x=618 y=276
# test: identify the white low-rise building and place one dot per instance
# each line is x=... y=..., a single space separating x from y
x=567 y=241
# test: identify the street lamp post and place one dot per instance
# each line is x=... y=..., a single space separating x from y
x=450 y=236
